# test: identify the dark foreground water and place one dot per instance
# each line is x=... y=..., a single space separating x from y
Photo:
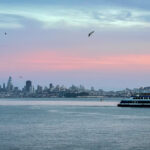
x=40 y=127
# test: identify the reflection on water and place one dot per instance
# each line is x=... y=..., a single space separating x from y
x=62 y=127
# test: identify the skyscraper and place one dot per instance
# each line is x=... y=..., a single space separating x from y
x=9 y=84
x=51 y=86
x=28 y=86
x=4 y=87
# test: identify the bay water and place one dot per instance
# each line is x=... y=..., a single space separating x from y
x=72 y=124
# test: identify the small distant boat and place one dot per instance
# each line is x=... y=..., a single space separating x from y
x=142 y=100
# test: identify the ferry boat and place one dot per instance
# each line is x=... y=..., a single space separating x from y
x=142 y=100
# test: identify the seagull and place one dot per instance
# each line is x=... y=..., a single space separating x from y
x=5 y=33
x=90 y=33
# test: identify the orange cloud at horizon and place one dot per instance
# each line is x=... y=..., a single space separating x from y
x=58 y=61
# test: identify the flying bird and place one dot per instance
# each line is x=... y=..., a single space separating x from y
x=5 y=33
x=90 y=33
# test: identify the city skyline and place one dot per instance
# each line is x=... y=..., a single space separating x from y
x=29 y=90
x=29 y=84
x=48 y=40
x=10 y=90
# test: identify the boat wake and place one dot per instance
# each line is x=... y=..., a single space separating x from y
x=57 y=103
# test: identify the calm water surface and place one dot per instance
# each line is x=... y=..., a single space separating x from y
x=39 y=127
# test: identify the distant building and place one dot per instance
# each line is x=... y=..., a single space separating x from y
x=39 y=89
x=51 y=87
x=4 y=87
x=9 y=84
x=28 y=86
x=92 y=88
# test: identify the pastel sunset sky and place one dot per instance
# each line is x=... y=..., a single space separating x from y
x=47 y=41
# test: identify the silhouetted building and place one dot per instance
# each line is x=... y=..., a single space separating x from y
x=39 y=89
x=28 y=86
x=9 y=84
x=4 y=87
x=51 y=87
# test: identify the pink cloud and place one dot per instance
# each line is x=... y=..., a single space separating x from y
x=53 y=61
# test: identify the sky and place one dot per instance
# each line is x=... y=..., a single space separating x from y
x=47 y=42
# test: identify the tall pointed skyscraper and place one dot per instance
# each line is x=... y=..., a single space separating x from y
x=9 y=84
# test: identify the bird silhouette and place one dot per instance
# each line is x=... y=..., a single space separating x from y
x=5 y=33
x=90 y=33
